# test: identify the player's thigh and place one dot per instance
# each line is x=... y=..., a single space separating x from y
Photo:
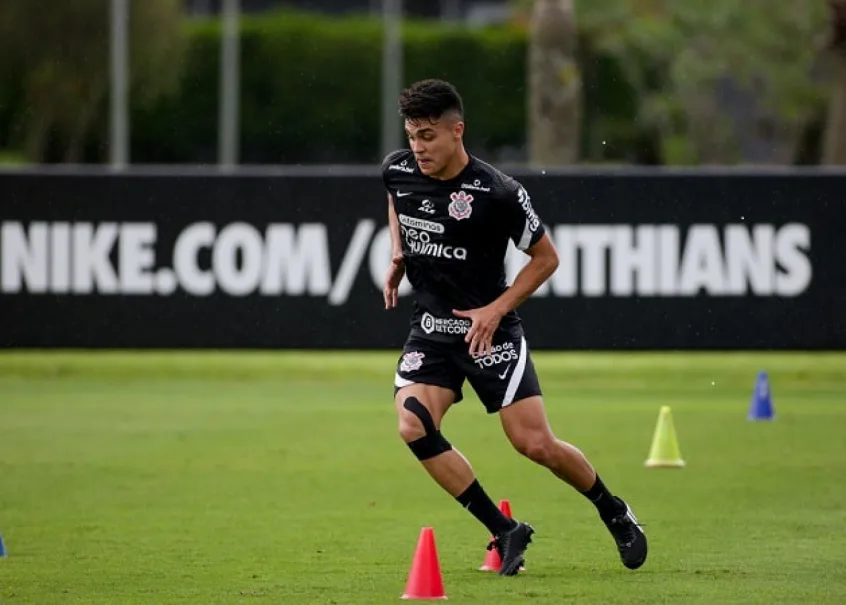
x=435 y=399
x=505 y=376
x=525 y=424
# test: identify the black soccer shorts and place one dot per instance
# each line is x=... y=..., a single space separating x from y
x=499 y=379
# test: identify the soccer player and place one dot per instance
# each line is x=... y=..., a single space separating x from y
x=451 y=216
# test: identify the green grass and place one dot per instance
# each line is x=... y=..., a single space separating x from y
x=279 y=478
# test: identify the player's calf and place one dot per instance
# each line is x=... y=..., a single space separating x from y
x=564 y=460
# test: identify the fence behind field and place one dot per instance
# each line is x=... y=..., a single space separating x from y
x=294 y=258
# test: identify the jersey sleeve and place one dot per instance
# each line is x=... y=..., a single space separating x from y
x=387 y=162
x=523 y=224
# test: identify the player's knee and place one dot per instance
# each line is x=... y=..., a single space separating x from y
x=410 y=427
x=536 y=448
x=418 y=430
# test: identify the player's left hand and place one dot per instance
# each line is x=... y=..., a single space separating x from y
x=485 y=322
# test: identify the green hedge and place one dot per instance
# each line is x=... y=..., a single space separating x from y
x=311 y=92
x=311 y=87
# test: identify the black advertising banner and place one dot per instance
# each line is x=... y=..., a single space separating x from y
x=648 y=261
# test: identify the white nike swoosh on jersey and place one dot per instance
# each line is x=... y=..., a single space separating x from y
x=403 y=194
x=502 y=376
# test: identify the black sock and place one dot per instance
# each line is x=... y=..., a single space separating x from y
x=602 y=499
x=480 y=505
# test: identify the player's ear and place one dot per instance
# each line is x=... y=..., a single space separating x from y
x=458 y=129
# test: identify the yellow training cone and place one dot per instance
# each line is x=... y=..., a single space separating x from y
x=665 y=447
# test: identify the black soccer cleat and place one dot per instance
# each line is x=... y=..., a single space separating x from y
x=630 y=539
x=511 y=545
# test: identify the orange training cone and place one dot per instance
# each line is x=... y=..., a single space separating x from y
x=493 y=562
x=424 y=580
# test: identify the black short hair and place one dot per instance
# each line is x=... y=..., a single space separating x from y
x=430 y=99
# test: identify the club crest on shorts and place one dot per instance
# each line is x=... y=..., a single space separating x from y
x=412 y=361
x=459 y=207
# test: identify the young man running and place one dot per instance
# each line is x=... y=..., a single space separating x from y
x=451 y=216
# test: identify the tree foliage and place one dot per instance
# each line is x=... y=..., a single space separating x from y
x=59 y=53
x=721 y=81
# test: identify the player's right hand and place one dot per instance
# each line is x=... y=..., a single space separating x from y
x=395 y=274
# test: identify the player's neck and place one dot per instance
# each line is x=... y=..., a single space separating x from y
x=455 y=167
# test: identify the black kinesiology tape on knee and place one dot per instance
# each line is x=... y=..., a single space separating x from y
x=432 y=443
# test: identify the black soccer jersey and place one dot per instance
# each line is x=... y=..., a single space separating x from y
x=454 y=238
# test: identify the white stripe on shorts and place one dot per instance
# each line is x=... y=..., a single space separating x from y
x=517 y=375
x=400 y=382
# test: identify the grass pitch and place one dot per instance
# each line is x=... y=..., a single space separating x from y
x=279 y=478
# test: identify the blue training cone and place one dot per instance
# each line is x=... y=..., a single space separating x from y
x=761 y=407
x=2 y=547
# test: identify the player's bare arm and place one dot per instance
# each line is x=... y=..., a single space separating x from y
x=397 y=269
x=542 y=264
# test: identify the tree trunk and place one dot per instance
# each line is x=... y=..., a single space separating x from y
x=555 y=87
x=834 y=149
x=834 y=141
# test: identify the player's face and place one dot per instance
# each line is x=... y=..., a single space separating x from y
x=434 y=143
